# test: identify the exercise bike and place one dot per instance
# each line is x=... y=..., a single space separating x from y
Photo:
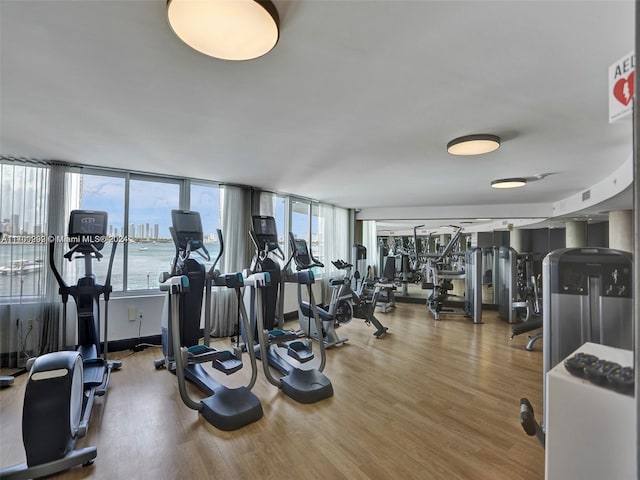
x=62 y=385
x=347 y=303
x=305 y=260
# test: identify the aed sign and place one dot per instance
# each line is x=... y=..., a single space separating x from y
x=621 y=86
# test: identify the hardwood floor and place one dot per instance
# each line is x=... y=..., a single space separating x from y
x=431 y=400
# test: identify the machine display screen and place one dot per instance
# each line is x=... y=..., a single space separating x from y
x=87 y=230
x=265 y=226
x=86 y=222
x=614 y=278
x=187 y=226
x=266 y=233
x=301 y=248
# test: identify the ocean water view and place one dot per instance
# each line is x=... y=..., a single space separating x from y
x=23 y=267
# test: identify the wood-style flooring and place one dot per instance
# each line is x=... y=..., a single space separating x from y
x=431 y=400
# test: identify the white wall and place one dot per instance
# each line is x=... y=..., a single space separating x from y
x=291 y=296
x=15 y=323
x=120 y=327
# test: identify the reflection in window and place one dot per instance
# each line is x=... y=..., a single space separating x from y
x=205 y=199
x=23 y=217
x=150 y=248
x=104 y=193
x=279 y=215
x=315 y=246
x=300 y=219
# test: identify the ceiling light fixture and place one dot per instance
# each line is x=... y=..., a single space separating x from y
x=473 y=144
x=509 y=183
x=226 y=29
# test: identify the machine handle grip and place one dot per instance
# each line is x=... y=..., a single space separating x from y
x=178 y=283
x=258 y=280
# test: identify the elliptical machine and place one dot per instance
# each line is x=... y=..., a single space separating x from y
x=63 y=385
x=282 y=349
x=225 y=408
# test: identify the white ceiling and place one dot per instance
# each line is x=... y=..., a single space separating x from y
x=354 y=106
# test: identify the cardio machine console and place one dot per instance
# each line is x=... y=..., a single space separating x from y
x=87 y=230
x=187 y=228
x=301 y=254
x=265 y=233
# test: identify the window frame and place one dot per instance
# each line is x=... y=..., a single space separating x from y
x=183 y=199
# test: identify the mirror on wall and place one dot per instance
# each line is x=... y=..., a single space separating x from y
x=407 y=249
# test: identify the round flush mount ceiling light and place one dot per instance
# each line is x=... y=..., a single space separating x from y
x=473 y=144
x=226 y=29
x=509 y=183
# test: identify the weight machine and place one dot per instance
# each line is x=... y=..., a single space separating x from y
x=444 y=267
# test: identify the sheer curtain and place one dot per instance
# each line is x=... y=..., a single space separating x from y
x=267 y=199
x=333 y=242
x=370 y=241
x=23 y=258
x=236 y=220
x=59 y=201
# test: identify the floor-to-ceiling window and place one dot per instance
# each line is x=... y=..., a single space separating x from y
x=105 y=193
x=23 y=216
x=300 y=219
x=139 y=216
x=205 y=199
x=150 y=248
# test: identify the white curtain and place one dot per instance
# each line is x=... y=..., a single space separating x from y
x=370 y=241
x=333 y=242
x=236 y=219
x=59 y=208
x=267 y=201
x=24 y=312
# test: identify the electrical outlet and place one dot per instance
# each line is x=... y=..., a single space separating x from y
x=30 y=324
x=140 y=315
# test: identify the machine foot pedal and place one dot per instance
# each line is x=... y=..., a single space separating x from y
x=300 y=351
x=306 y=386
x=93 y=372
x=227 y=362
x=231 y=408
x=281 y=336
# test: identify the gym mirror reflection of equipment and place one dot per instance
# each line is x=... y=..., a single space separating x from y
x=408 y=278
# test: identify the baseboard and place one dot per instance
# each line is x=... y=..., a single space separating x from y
x=414 y=300
x=134 y=343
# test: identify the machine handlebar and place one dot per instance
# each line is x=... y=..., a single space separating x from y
x=341 y=264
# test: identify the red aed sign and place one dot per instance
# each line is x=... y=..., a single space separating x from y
x=621 y=86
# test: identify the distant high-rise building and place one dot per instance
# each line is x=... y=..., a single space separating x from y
x=140 y=231
x=37 y=229
x=146 y=230
x=110 y=229
x=155 y=231
x=115 y=232
x=15 y=224
x=132 y=230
